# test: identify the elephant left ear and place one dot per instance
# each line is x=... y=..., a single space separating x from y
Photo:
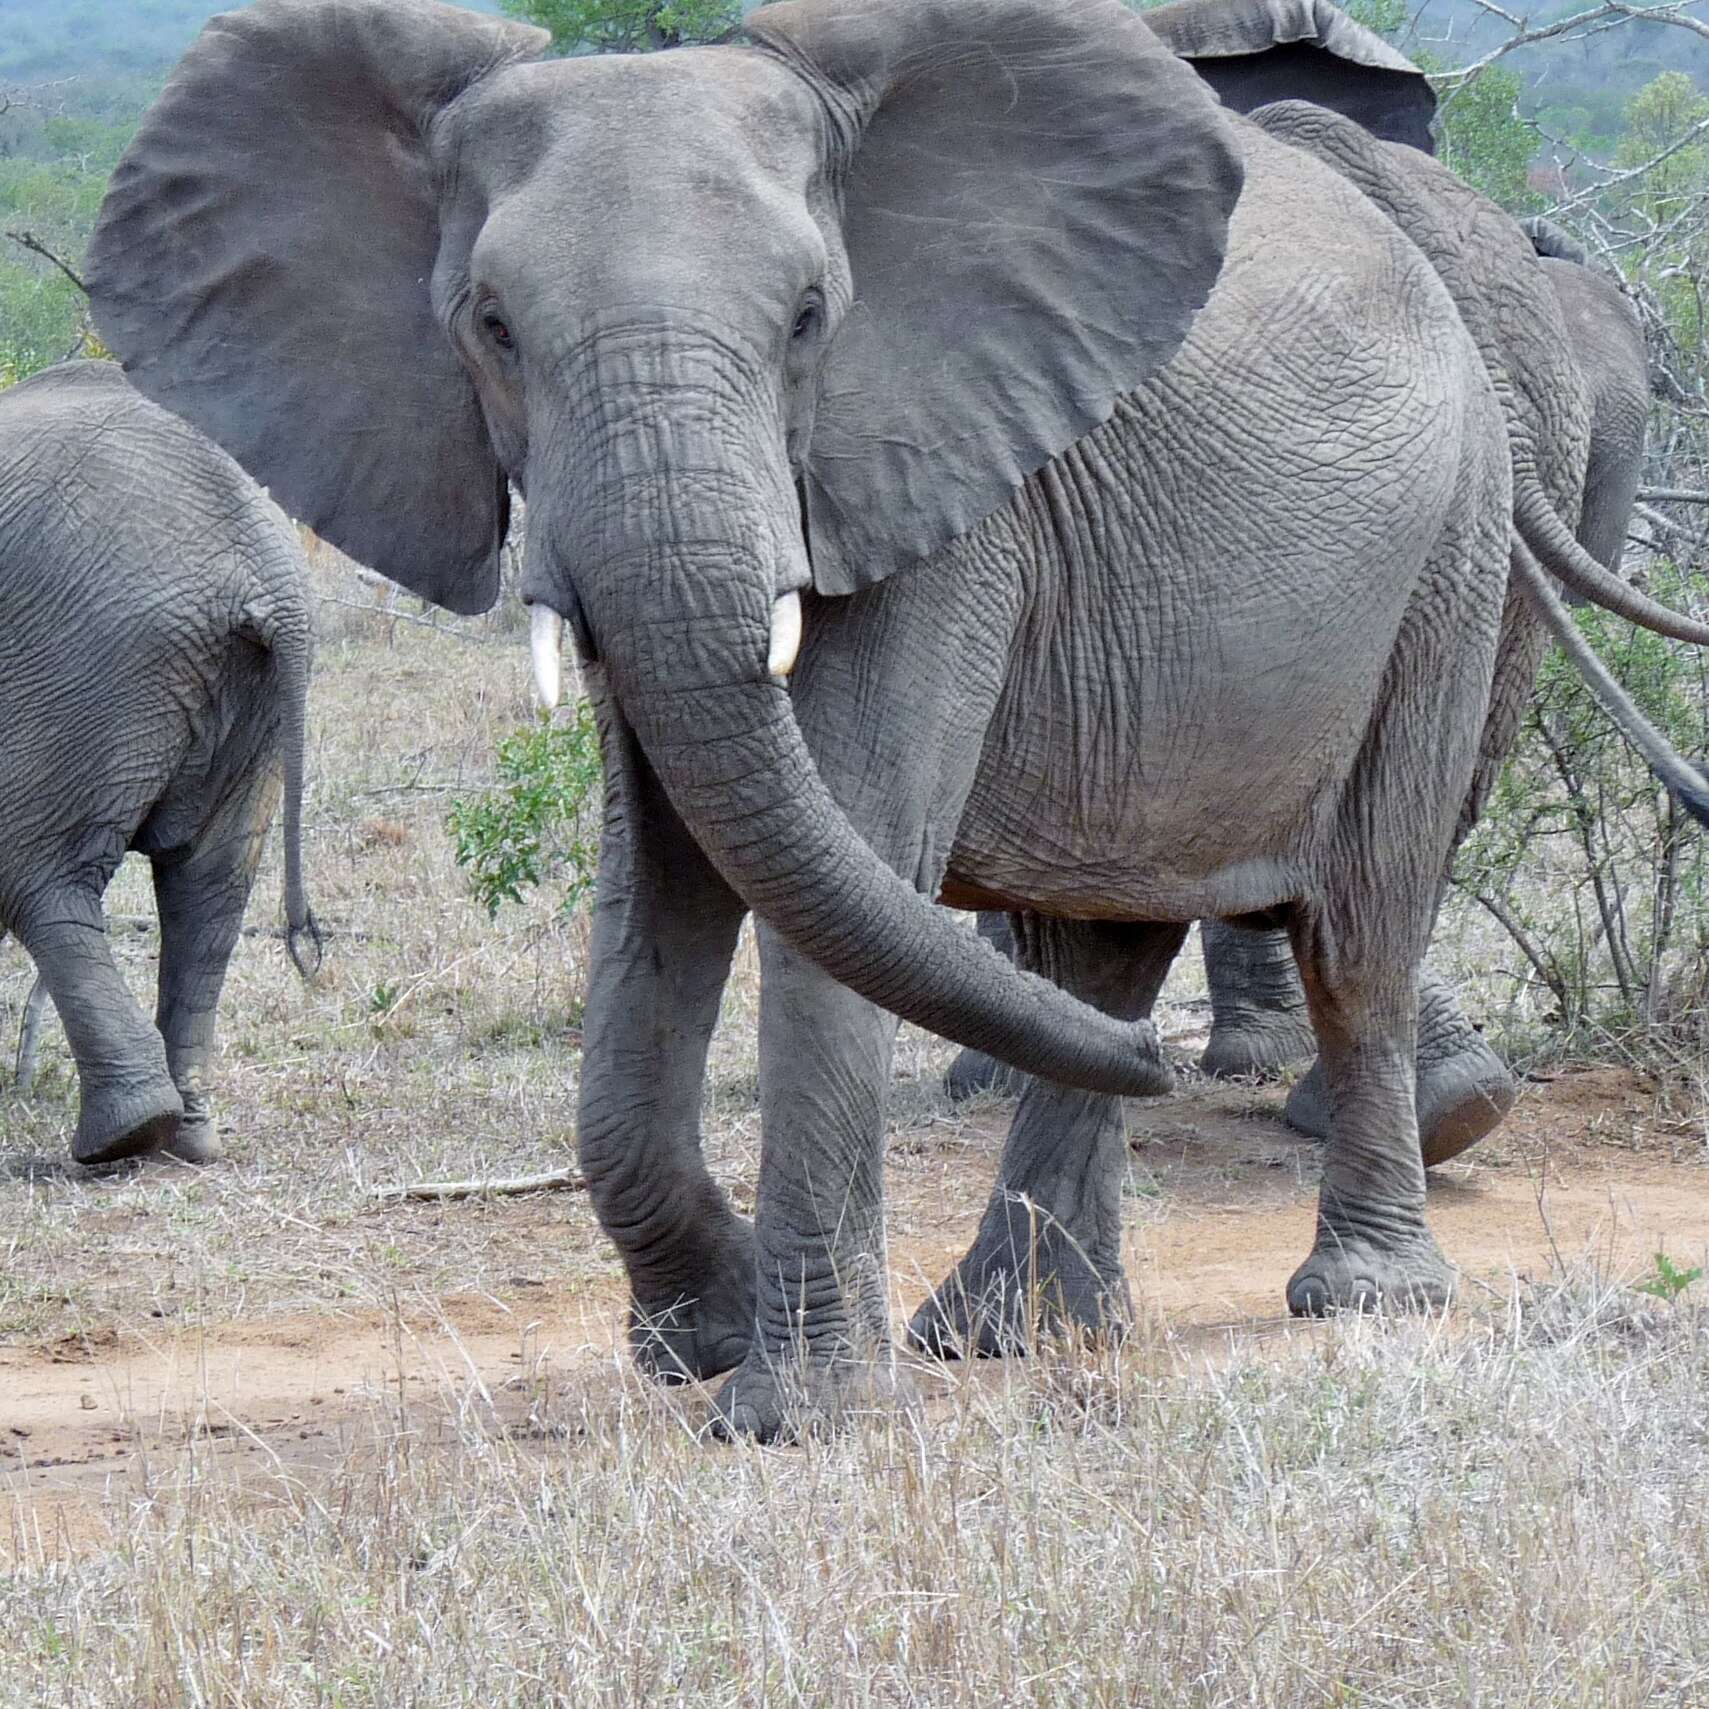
x=1036 y=198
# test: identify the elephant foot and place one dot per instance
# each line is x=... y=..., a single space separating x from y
x=997 y=1304
x=1356 y=1273
x=196 y=1141
x=691 y=1337
x=1461 y=1098
x=782 y=1397
x=1256 y=1047
x=974 y=1072
x=112 y=1126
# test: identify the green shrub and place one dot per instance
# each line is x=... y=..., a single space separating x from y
x=540 y=821
x=1589 y=865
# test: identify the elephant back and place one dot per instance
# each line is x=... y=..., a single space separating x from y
x=1491 y=270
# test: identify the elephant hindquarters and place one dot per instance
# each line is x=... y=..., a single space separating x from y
x=1360 y=939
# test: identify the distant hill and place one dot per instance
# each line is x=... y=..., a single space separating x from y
x=106 y=40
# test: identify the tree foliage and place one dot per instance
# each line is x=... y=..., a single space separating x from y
x=1485 y=138
x=627 y=26
x=1661 y=120
x=540 y=821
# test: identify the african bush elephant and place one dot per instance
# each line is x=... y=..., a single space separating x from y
x=1253 y=52
x=1114 y=450
x=155 y=641
x=1257 y=51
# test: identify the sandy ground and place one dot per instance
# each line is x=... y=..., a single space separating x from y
x=1219 y=1198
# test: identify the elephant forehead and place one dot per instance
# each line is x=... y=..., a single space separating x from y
x=708 y=122
x=681 y=181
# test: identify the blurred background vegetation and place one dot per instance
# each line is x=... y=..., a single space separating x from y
x=75 y=76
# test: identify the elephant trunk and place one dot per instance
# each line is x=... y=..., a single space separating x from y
x=678 y=548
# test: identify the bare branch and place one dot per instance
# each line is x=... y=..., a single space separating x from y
x=384 y=616
x=1543 y=965
x=558 y=1180
x=28 y=240
x=1619 y=10
x=1685 y=140
x=1672 y=495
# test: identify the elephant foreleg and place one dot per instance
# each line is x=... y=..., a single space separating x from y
x=665 y=927
x=1048 y=1252
x=898 y=741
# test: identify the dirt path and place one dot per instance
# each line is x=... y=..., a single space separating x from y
x=1220 y=1198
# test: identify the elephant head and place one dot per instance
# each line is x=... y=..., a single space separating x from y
x=852 y=277
x=1256 y=51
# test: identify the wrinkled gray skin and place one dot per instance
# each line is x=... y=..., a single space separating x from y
x=1257 y=51
x=1012 y=298
x=1260 y=1021
x=155 y=639
x=1464 y=1089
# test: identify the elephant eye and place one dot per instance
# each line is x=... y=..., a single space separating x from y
x=807 y=316
x=497 y=330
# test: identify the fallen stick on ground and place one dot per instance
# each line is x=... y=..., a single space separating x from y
x=562 y=1180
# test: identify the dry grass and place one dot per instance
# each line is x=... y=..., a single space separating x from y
x=1508 y=1513
x=436 y=1044
x=1504 y=1512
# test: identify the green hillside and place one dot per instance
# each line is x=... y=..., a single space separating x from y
x=104 y=42
x=75 y=75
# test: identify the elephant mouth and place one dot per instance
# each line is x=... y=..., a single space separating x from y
x=546 y=645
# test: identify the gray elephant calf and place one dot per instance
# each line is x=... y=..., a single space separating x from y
x=155 y=642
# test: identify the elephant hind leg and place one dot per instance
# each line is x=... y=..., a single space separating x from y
x=1372 y=1246
x=129 y=1105
x=201 y=894
x=1463 y=1088
x=1048 y=1252
x=973 y=1071
x=1259 y=1024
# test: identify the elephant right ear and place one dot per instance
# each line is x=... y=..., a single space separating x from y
x=263 y=266
x=1253 y=52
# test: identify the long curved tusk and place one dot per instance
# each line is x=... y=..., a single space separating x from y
x=785 y=636
x=546 y=642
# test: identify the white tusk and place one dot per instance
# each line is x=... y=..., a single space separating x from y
x=546 y=642
x=785 y=636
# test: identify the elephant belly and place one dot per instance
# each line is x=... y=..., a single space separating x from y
x=1193 y=798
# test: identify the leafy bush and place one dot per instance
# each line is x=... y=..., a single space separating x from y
x=1586 y=861
x=541 y=820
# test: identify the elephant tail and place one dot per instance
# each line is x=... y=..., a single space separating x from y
x=1553 y=543
x=1687 y=784
x=285 y=628
x=1553 y=242
x=294 y=652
